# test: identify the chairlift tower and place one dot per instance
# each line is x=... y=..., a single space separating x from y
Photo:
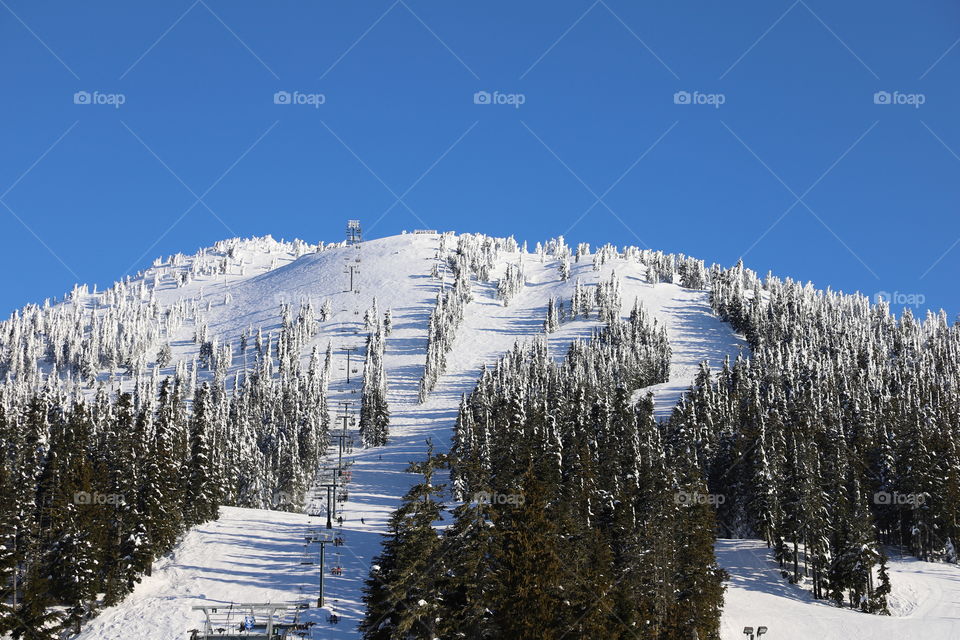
x=323 y=540
x=354 y=232
x=351 y=270
x=348 y=351
x=331 y=488
x=347 y=419
x=355 y=240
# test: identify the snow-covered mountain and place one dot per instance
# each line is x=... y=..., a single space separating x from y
x=397 y=272
x=207 y=305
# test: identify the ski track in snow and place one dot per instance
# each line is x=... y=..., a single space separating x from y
x=251 y=555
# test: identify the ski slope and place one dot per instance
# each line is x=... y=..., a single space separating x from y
x=248 y=555
x=925 y=602
x=253 y=556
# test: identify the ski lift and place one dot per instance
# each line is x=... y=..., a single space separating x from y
x=337 y=571
x=333 y=618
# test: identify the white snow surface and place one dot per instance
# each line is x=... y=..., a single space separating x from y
x=925 y=602
x=254 y=556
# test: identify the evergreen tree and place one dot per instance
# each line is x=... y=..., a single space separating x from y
x=402 y=594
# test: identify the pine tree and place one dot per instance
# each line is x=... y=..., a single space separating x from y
x=201 y=499
x=374 y=410
x=528 y=599
x=401 y=594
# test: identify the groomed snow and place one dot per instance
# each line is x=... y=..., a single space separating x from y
x=925 y=602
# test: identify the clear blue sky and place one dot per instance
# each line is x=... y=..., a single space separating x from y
x=799 y=170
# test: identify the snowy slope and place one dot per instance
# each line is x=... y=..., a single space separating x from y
x=253 y=555
x=925 y=602
x=248 y=555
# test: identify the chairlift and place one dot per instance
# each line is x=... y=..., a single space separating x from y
x=306 y=558
x=333 y=618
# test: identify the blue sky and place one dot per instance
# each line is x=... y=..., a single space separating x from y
x=719 y=130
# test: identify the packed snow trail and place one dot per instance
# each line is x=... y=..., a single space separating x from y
x=925 y=601
x=396 y=270
x=248 y=555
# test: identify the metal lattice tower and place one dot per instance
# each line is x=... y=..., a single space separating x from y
x=354 y=233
